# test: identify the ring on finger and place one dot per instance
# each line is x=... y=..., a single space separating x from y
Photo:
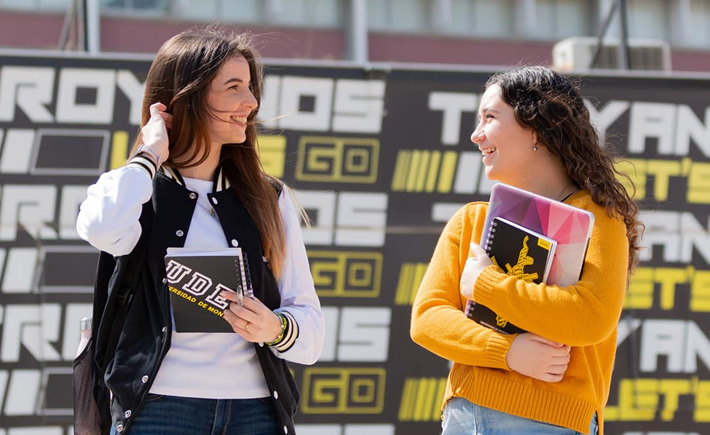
x=246 y=327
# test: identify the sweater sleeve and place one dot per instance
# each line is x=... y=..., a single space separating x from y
x=438 y=321
x=578 y=315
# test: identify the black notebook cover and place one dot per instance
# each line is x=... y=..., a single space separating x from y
x=195 y=280
x=517 y=251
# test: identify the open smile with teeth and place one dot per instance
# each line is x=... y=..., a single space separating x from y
x=239 y=119
x=487 y=151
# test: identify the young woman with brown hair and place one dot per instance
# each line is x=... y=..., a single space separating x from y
x=195 y=170
x=534 y=133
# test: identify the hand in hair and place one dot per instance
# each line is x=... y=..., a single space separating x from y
x=155 y=131
x=538 y=357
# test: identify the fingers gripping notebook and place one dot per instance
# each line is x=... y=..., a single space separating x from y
x=196 y=278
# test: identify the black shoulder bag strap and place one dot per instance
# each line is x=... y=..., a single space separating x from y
x=110 y=308
x=107 y=323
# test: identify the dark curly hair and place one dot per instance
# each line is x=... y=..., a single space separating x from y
x=550 y=105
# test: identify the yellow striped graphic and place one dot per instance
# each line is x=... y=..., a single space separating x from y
x=433 y=171
x=404 y=285
x=119 y=149
x=424 y=171
x=399 y=177
x=409 y=398
x=413 y=168
x=410 y=276
x=448 y=168
x=421 y=399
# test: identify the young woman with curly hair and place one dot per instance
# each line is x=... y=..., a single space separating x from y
x=534 y=133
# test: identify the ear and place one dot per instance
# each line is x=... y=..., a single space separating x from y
x=534 y=136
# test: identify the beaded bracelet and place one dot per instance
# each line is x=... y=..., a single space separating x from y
x=284 y=324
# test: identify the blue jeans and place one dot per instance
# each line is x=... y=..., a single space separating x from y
x=170 y=415
x=462 y=417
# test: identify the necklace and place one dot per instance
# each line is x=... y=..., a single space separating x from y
x=208 y=208
x=562 y=197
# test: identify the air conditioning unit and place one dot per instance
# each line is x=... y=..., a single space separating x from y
x=576 y=54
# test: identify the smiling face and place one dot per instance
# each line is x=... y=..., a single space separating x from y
x=230 y=101
x=507 y=147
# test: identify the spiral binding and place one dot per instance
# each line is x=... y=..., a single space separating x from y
x=489 y=237
x=246 y=274
x=240 y=285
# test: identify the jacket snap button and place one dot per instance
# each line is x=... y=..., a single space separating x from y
x=285 y=429
x=165 y=329
x=276 y=394
x=214 y=200
x=127 y=413
x=179 y=233
x=119 y=427
x=144 y=379
x=193 y=195
x=235 y=243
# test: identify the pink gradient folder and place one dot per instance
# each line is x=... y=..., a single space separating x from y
x=570 y=226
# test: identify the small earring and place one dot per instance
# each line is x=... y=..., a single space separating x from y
x=535 y=148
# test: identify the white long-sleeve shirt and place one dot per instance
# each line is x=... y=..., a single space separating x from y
x=221 y=365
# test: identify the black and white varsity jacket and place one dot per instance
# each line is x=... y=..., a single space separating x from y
x=137 y=300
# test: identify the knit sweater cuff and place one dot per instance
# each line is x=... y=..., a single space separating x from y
x=483 y=288
x=497 y=349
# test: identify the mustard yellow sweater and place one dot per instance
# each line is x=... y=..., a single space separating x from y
x=584 y=316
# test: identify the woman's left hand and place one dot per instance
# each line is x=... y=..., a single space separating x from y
x=476 y=262
x=253 y=321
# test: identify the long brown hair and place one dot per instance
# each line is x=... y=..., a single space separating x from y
x=179 y=77
x=552 y=107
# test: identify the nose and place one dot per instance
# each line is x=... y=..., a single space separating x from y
x=478 y=136
x=250 y=101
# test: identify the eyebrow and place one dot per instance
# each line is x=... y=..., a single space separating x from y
x=233 y=80
x=489 y=110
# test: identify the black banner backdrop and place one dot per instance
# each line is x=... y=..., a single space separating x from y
x=381 y=159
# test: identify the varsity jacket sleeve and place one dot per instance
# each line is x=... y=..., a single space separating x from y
x=579 y=315
x=299 y=303
x=108 y=217
x=438 y=322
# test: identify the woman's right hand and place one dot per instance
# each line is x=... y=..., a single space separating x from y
x=155 y=131
x=538 y=357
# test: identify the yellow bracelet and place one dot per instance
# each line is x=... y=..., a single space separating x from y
x=284 y=324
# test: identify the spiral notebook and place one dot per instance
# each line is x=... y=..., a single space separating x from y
x=518 y=252
x=569 y=226
x=196 y=278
